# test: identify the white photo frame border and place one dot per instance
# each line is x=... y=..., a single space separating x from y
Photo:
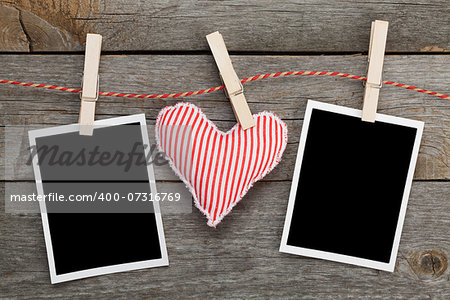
x=55 y=278
x=390 y=266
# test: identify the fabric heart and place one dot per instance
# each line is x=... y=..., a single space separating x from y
x=218 y=168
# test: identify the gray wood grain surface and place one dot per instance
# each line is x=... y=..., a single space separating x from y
x=286 y=97
x=257 y=25
x=240 y=258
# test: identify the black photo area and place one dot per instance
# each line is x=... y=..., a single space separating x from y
x=83 y=241
x=351 y=185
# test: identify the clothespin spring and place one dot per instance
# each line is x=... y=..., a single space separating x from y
x=98 y=90
x=238 y=92
x=364 y=81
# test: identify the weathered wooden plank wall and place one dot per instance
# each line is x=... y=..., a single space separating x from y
x=286 y=97
x=240 y=258
x=257 y=25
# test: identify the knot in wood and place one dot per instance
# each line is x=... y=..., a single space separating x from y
x=429 y=262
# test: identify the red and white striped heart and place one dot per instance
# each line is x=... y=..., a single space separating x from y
x=218 y=168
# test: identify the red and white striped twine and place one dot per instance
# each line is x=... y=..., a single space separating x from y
x=218 y=88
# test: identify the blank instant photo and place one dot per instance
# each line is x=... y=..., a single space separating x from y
x=350 y=186
x=89 y=238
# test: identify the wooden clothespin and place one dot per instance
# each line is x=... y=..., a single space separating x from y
x=90 y=87
x=233 y=86
x=377 y=45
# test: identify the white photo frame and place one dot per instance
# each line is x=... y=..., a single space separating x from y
x=55 y=278
x=285 y=248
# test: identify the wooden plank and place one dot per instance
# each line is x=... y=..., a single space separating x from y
x=12 y=36
x=240 y=258
x=284 y=96
x=23 y=31
x=264 y=25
